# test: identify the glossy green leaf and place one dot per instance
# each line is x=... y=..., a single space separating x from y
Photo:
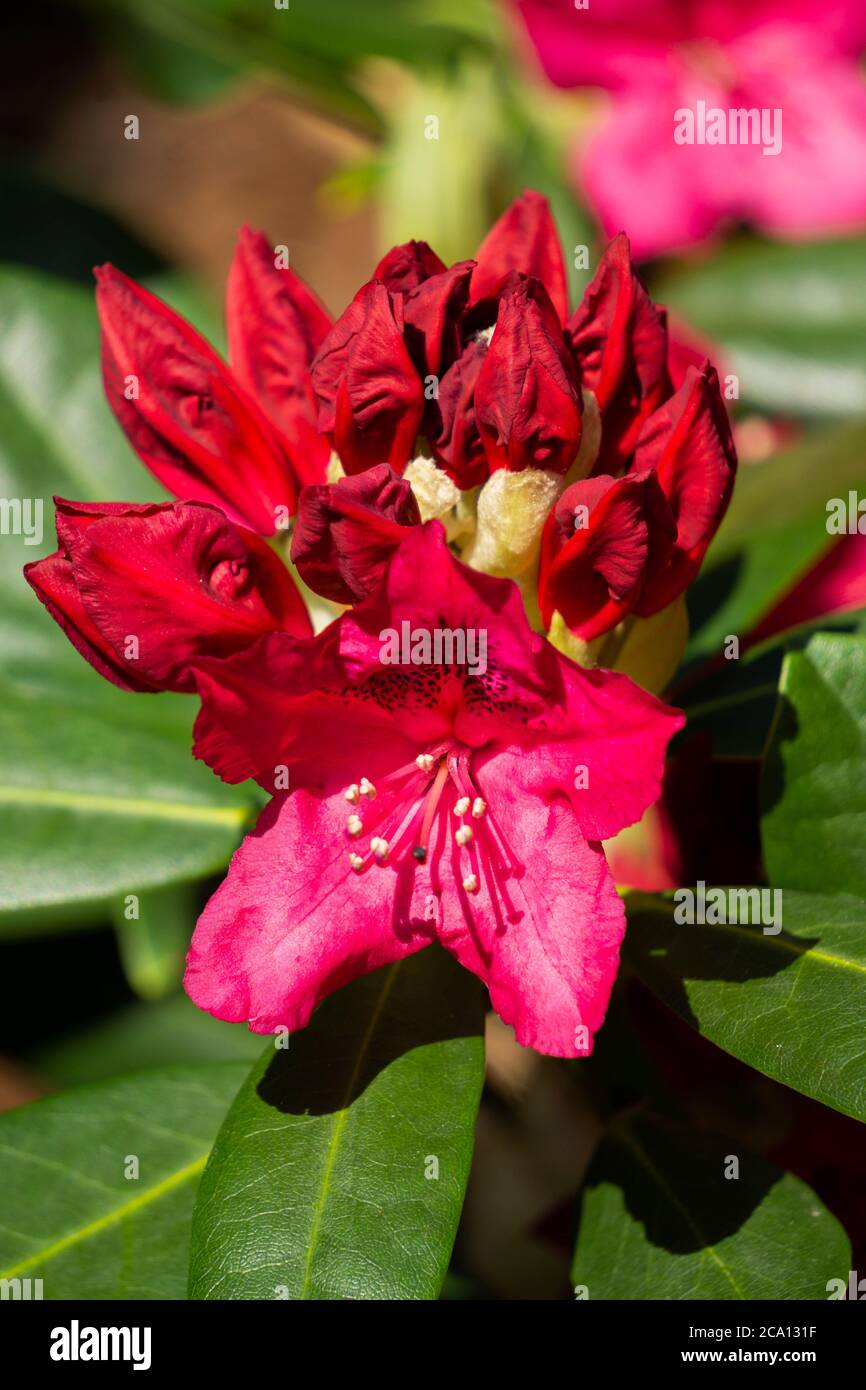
x=661 y=1220
x=790 y=318
x=341 y=1168
x=71 y=1217
x=166 y=1032
x=735 y=701
x=153 y=934
x=790 y=1004
x=91 y=809
x=814 y=790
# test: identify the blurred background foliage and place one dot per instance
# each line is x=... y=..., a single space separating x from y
x=310 y=122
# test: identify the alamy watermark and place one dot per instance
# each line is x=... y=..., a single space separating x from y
x=712 y=125
x=22 y=516
x=438 y=646
x=702 y=906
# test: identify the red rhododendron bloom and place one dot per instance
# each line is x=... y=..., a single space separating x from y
x=527 y=396
x=479 y=360
x=442 y=772
x=632 y=544
x=243 y=439
x=459 y=801
x=347 y=531
x=142 y=591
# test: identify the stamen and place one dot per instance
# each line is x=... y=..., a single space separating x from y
x=470 y=883
x=432 y=802
x=367 y=789
x=354 y=825
x=357 y=862
x=461 y=806
x=379 y=848
x=463 y=835
x=479 y=806
x=353 y=794
x=424 y=762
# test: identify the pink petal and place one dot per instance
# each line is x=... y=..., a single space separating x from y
x=548 y=948
x=291 y=923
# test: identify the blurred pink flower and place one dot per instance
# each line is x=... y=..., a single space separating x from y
x=662 y=56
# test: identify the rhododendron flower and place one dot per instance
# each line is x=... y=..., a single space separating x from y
x=477 y=362
x=143 y=590
x=347 y=531
x=243 y=438
x=468 y=379
x=425 y=803
x=527 y=396
x=632 y=544
x=661 y=58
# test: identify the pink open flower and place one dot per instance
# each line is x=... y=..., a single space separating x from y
x=661 y=57
x=458 y=798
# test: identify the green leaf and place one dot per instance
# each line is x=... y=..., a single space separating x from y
x=735 y=702
x=790 y=1005
x=68 y=1213
x=660 y=1220
x=153 y=934
x=321 y=1182
x=95 y=809
x=144 y=1035
x=814 y=793
x=790 y=318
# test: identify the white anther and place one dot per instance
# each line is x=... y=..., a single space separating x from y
x=479 y=806
x=464 y=835
x=461 y=806
x=424 y=762
x=380 y=848
x=353 y=794
x=354 y=825
x=367 y=789
x=470 y=883
x=356 y=861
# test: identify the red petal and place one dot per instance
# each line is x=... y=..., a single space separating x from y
x=525 y=239
x=371 y=399
x=619 y=339
x=190 y=423
x=276 y=325
x=689 y=443
x=347 y=531
x=405 y=267
x=180 y=579
x=594 y=574
x=53 y=583
x=433 y=314
x=459 y=446
x=527 y=399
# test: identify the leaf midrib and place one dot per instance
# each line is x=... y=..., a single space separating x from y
x=112 y=1218
x=626 y=1137
x=338 y=1127
x=234 y=816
